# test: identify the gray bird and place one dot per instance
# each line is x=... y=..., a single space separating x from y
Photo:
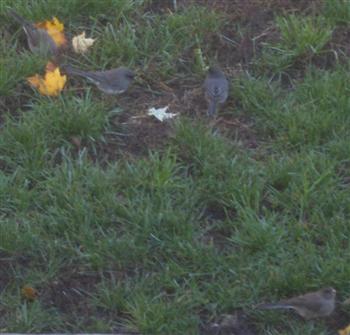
x=216 y=89
x=39 y=41
x=113 y=81
x=310 y=305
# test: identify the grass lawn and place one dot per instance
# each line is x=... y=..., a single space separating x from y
x=123 y=223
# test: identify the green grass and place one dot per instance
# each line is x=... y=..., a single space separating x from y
x=337 y=11
x=301 y=38
x=166 y=242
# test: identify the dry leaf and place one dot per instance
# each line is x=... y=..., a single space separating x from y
x=29 y=292
x=81 y=44
x=76 y=140
x=52 y=83
x=160 y=113
x=55 y=29
x=345 y=331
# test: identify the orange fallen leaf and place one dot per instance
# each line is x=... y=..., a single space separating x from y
x=52 y=83
x=55 y=29
x=29 y=292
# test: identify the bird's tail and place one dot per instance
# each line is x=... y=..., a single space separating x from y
x=21 y=20
x=212 y=107
x=275 y=306
x=70 y=70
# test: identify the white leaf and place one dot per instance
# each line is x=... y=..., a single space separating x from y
x=160 y=113
x=81 y=44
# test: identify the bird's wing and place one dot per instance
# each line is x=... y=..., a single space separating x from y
x=275 y=306
x=91 y=75
x=40 y=37
x=312 y=302
x=109 y=76
x=28 y=27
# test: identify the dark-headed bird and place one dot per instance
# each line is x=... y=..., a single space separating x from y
x=216 y=89
x=114 y=81
x=39 y=41
x=310 y=305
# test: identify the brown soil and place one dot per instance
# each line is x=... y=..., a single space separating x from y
x=237 y=323
x=184 y=96
x=70 y=293
x=135 y=133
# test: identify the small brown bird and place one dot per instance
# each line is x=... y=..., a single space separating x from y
x=39 y=41
x=113 y=81
x=310 y=305
x=216 y=89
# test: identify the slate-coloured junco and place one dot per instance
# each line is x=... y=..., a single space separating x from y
x=216 y=89
x=310 y=305
x=39 y=41
x=113 y=81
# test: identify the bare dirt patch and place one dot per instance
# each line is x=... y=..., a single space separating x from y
x=134 y=133
x=185 y=95
x=237 y=323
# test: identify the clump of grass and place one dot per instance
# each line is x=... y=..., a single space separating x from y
x=313 y=114
x=337 y=11
x=151 y=39
x=303 y=34
x=74 y=9
x=27 y=142
x=155 y=316
x=301 y=38
x=34 y=317
x=16 y=68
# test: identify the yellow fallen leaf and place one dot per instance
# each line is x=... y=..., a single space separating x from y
x=29 y=292
x=345 y=331
x=52 y=83
x=81 y=44
x=55 y=29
